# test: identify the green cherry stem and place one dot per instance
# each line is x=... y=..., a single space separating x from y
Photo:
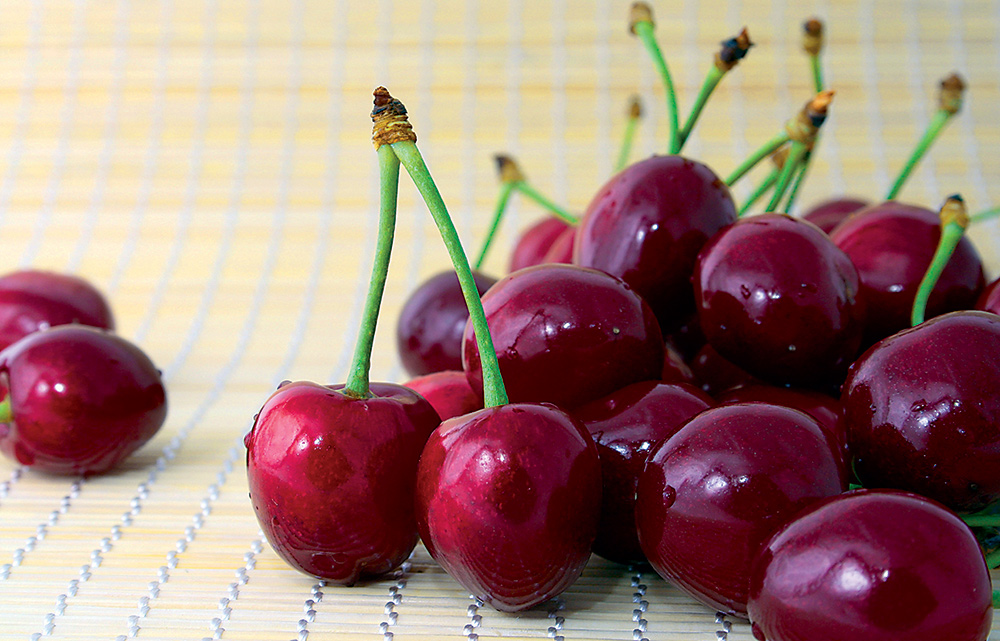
x=732 y=51
x=950 y=100
x=996 y=593
x=506 y=189
x=795 y=155
x=984 y=215
x=762 y=189
x=522 y=187
x=628 y=138
x=641 y=24
x=392 y=131
x=954 y=221
x=982 y=520
x=357 y=380
x=765 y=150
x=800 y=177
x=812 y=43
x=5 y=414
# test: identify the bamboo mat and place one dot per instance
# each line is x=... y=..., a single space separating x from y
x=208 y=164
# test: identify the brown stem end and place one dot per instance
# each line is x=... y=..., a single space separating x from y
x=952 y=91
x=803 y=127
x=812 y=36
x=953 y=211
x=635 y=107
x=733 y=50
x=508 y=169
x=389 y=120
x=640 y=12
x=781 y=156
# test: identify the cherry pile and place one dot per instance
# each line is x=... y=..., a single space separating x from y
x=754 y=405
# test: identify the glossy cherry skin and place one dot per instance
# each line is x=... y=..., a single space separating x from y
x=827 y=411
x=508 y=500
x=876 y=565
x=566 y=335
x=33 y=299
x=778 y=299
x=714 y=492
x=331 y=477
x=891 y=245
x=82 y=400
x=429 y=331
x=647 y=225
x=536 y=241
x=923 y=411
x=561 y=250
x=989 y=300
x=830 y=213
x=675 y=370
x=448 y=393
x=626 y=425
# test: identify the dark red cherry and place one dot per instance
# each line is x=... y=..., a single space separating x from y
x=536 y=241
x=429 y=331
x=561 y=250
x=448 y=393
x=830 y=213
x=688 y=338
x=891 y=245
x=626 y=425
x=827 y=411
x=874 y=565
x=675 y=370
x=508 y=501
x=331 y=477
x=33 y=299
x=989 y=300
x=923 y=411
x=780 y=300
x=567 y=335
x=81 y=400
x=647 y=225
x=716 y=375
x=714 y=492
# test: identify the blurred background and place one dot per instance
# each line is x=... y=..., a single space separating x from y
x=209 y=166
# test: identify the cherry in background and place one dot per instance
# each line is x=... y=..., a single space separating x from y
x=567 y=335
x=647 y=225
x=780 y=300
x=876 y=565
x=31 y=300
x=77 y=400
x=892 y=244
x=989 y=300
x=448 y=392
x=430 y=325
x=830 y=213
x=923 y=411
x=714 y=492
x=535 y=243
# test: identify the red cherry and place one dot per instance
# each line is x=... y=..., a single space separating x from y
x=891 y=245
x=448 y=393
x=536 y=241
x=81 y=400
x=331 y=477
x=32 y=299
x=923 y=412
x=779 y=299
x=561 y=250
x=714 y=492
x=429 y=331
x=716 y=374
x=508 y=501
x=566 y=335
x=989 y=300
x=647 y=225
x=830 y=213
x=675 y=370
x=872 y=565
x=626 y=425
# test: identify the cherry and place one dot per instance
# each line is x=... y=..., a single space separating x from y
x=712 y=494
x=33 y=299
x=779 y=299
x=508 y=501
x=430 y=326
x=923 y=412
x=875 y=565
x=716 y=374
x=567 y=335
x=675 y=370
x=77 y=400
x=989 y=300
x=892 y=244
x=830 y=213
x=448 y=392
x=331 y=477
x=626 y=425
x=561 y=250
x=536 y=241
x=647 y=225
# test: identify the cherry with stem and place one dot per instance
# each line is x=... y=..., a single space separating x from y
x=641 y=25
x=634 y=116
x=954 y=221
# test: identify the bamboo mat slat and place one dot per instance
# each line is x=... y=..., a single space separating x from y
x=208 y=165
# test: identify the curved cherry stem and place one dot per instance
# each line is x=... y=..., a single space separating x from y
x=527 y=190
x=800 y=178
x=981 y=520
x=954 y=221
x=984 y=216
x=763 y=152
x=758 y=193
x=711 y=82
x=935 y=127
x=357 y=379
x=795 y=155
x=493 y=388
x=628 y=138
x=5 y=412
x=644 y=29
x=506 y=188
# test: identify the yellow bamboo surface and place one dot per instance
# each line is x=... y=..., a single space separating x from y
x=208 y=165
